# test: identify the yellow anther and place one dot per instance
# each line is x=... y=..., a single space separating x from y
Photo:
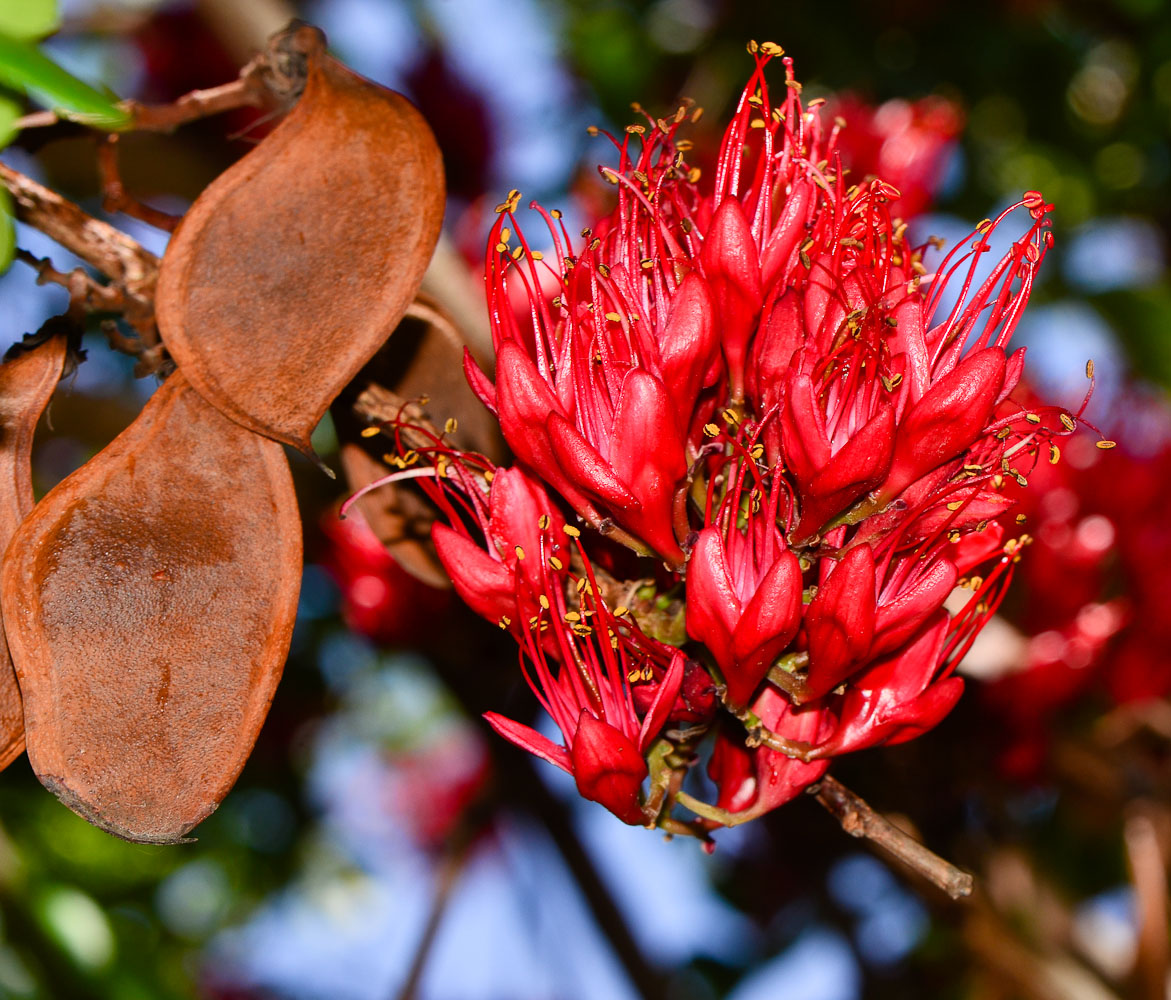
x=504 y=622
x=711 y=430
x=543 y=601
x=572 y=616
x=1021 y=518
x=1068 y=422
x=1090 y=368
x=571 y=531
x=1054 y=454
x=450 y=426
x=694 y=174
x=369 y=432
x=613 y=317
x=520 y=553
x=955 y=505
x=1032 y=418
x=511 y=200
x=771 y=49
x=1106 y=445
x=621 y=610
x=556 y=563
x=537 y=255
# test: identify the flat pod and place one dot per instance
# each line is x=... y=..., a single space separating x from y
x=26 y=384
x=288 y=270
x=423 y=359
x=150 y=600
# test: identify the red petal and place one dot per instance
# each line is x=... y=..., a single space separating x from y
x=901 y=618
x=713 y=609
x=687 y=346
x=664 y=701
x=769 y=623
x=731 y=265
x=529 y=739
x=486 y=585
x=583 y=464
x=803 y=437
x=480 y=384
x=608 y=768
x=948 y=418
x=840 y=622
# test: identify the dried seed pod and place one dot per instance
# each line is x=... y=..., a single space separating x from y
x=290 y=269
x=150 y=600
x=26 y=383
x=422 y=361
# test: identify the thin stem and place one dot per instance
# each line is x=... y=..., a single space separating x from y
x=98 y=243
x=450 y=868
x=858 y=819
x=114 y=195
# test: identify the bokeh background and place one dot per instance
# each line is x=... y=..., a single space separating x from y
x=380 y=843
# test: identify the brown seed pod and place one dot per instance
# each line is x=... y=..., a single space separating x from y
x=26 y=384
x=421 y=361
x=290 y=268
x=150 y=600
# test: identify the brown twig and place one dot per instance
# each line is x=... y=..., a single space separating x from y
x=1031 y=974
x=115 y=197
x=450 y=867
x=132 y=270
x=98 y=243
x=1149 y=875
x=248 y=90
x=858 y=819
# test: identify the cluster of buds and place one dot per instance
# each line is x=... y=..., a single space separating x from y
x=758 y=446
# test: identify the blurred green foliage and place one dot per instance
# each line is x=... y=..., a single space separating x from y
x=26 y=70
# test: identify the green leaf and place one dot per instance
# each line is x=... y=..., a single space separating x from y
x=7 y=230
x=29 y=19
x=24 y=67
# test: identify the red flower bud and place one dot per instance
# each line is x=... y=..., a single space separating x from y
x=840 y=622
x=948 y=418
x=731 y=264
x=608 y=768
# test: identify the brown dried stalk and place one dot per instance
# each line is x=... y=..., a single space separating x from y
x=98 y=243
x=858 y=819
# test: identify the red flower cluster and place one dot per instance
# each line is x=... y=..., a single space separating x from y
x=758 y=444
